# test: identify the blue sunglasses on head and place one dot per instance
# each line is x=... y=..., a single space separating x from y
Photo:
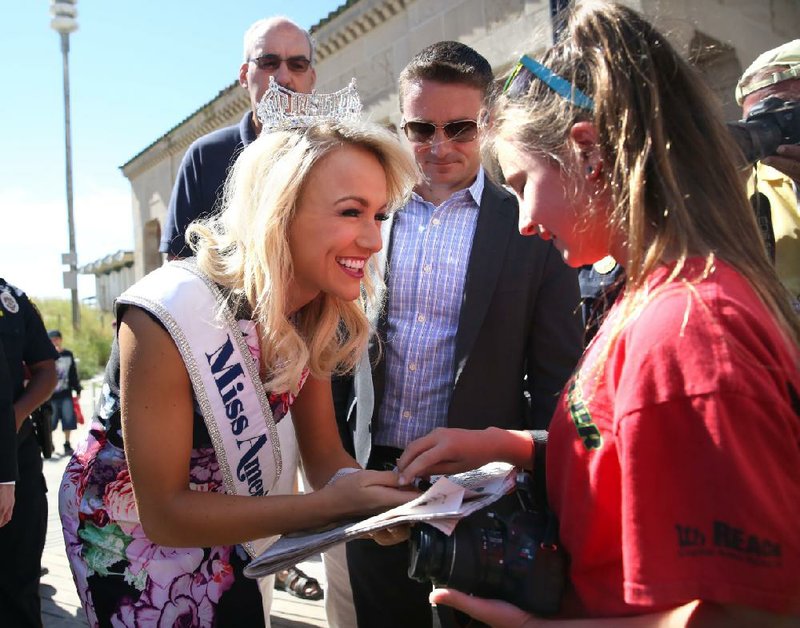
x=521 y=78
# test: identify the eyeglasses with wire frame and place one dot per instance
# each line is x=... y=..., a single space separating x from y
x=271 y=62
x=421 y=132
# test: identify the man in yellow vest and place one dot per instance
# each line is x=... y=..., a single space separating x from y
x=775 y=183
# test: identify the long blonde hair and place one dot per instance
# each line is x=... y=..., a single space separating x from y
x=245 y=248
x=670 y=165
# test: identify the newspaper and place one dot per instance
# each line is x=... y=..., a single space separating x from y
x=449 y=499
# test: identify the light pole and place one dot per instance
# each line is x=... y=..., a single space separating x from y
x=64 y=13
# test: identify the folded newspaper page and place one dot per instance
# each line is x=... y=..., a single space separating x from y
x=449 y=499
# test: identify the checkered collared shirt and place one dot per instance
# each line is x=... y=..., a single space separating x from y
x=430 y=248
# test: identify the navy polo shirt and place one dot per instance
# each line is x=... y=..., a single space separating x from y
x=198 y=186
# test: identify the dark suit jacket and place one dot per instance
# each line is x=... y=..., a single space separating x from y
x=519 y=332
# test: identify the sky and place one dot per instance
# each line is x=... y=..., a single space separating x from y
x=136 y=69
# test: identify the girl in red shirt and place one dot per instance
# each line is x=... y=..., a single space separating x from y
x=673 y=454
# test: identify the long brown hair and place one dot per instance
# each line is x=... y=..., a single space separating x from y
x=670 y=165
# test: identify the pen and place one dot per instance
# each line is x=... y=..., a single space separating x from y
x=419 y=483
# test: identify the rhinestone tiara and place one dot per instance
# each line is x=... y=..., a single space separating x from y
x=281 y=109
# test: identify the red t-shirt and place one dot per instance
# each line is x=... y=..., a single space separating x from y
x=675 y=468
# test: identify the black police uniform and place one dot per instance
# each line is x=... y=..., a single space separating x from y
x=599 y=290
x=8 y=425
x=24 y=339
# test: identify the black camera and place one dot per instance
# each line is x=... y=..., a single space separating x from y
x=501 y=552
x=769 y=124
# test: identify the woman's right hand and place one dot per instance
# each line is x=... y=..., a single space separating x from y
x=366 y=493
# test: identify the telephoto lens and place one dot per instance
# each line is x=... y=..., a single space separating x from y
x=769 y=124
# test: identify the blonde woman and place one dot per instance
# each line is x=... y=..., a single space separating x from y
x=181 y=475
x=673 y=454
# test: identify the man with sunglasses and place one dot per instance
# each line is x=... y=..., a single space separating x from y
x=480 y=327
x=273 y=46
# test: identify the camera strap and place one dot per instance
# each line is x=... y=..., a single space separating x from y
x=540 y=468
x=540 y=504
x=762 y=209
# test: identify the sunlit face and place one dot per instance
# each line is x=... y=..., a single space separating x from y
x=547 y=208
x=787 y=90
x=336 y=227
x=284 y=40
x=447 y=166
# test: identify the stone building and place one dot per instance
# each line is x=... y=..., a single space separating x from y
x=112 y=275
x=372 y=40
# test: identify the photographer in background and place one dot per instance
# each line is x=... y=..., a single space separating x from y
x=773 y=187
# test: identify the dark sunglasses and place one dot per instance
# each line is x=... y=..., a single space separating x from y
x=527 y=69
x=458 y=130
x=271 y=63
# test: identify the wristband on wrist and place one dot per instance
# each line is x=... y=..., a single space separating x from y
x=539 y=440
x=539 y=451
x=341 y=473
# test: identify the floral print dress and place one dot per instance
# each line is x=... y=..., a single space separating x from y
x=122 y=577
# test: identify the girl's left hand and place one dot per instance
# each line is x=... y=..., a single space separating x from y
x=495 y=613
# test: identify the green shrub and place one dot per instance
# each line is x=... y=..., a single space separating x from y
x=92 y=343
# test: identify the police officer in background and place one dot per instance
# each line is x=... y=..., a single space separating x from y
x=8 y=442
x=24 y=343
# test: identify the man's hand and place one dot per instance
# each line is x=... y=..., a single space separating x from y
x=787 y=160
x=6 y=503
x=391 y=536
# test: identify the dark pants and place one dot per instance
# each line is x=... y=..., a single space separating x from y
x=22 y=542
x=383 y=594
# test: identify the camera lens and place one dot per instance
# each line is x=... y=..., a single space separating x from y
x=472 y=559
x=769 y=124
x=504 y=553
x=431 y=554
x=756 y=138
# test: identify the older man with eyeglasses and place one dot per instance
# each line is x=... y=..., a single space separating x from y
x=274 y=46
x=481 y=325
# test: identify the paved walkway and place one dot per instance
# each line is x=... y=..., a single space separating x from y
x=61 y=607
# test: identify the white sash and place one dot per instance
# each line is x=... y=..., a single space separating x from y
x=362 y=377
x=224 y=376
